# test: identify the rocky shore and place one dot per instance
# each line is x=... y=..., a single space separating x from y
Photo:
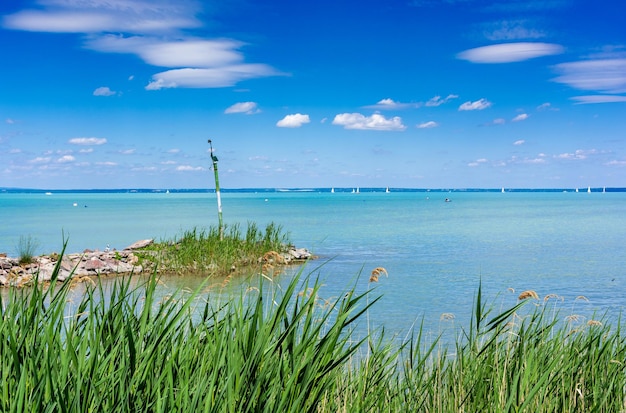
x=102 y=263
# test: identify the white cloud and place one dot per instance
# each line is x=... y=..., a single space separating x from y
x=438 y=101
x=598 y=99
x=208 y=78
x=152 y=30
x=477 y=105
x=616 y=163
x=106 y=163
x=293 y=121
x=520 y=117
x=498 y=121
x=374 y=122
x=579 y=154
x=186 y=168
x=602 y=75
x=87 y=141
x=86 y=150
x=103 y=91
x=546 y=106
x=127 y=151
x=248 y=108
x=66 y=158
x=10 y=121
x=184 y=52
x=509 y=52
x=129 y=16
x=40 y=159
x=519 y=142
x=389 y=104
x=173 y=150
x=429 y=124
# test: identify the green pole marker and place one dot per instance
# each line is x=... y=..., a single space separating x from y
x=217 y=192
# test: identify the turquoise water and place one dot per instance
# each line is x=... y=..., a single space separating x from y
x=436 y=252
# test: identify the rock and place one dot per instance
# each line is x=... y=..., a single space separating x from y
x=140 y=244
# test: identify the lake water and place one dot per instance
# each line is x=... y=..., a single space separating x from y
x=436 y=252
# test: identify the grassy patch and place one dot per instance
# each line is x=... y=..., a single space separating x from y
x=201 y=251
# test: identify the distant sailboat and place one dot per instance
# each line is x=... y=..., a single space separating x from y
x=588 y=189
x=604 y=189
x=387 y=190
x=576 y=189
x=502 y=190
x=357 y=190
x=332 y=190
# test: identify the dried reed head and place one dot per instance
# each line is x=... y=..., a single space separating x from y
x=528 y=294
x=376 y=272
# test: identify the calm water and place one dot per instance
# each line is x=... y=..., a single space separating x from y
x=436 y=252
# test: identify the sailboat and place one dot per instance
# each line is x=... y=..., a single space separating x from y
x=357 y=190
x=588 y=189
x=332 y=190
x=387 y=190
x=502 y=190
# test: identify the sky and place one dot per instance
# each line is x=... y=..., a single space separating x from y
x=105 y=94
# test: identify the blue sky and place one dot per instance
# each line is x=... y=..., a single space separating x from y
x=344 y=93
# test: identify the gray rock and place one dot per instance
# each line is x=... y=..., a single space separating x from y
x=139 y=244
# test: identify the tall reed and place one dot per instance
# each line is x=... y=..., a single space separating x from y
x=275 y=348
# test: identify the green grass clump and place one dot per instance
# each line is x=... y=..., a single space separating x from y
x=203 y=251
x=273 y=349
x=26 y=249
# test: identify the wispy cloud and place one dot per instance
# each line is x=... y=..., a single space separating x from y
x=602 y=75
x=511 y=30
x=580 y=100
x=519 y=142
x=390 y=104
x=249 y=108
x=438 y=101
x=427 y=125
x=476 y=105
x=579 y=154
x=189 y=168
x=510 y=52
x=156 y=31
x=66 y=159
x=94 y=16
x=293 y=121
x=374 y=122
x=87 y=141
x=104 y=91
x=520 y=117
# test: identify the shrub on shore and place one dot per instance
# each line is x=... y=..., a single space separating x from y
x=284 y=349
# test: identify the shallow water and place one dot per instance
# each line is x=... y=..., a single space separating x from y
x=436 y=252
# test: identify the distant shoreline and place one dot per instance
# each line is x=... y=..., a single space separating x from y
x=282 y=190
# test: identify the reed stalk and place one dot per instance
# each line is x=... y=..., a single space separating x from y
x=275 y=347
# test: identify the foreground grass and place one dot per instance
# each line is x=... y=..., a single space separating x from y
x=279 y=350
x=202 y=251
